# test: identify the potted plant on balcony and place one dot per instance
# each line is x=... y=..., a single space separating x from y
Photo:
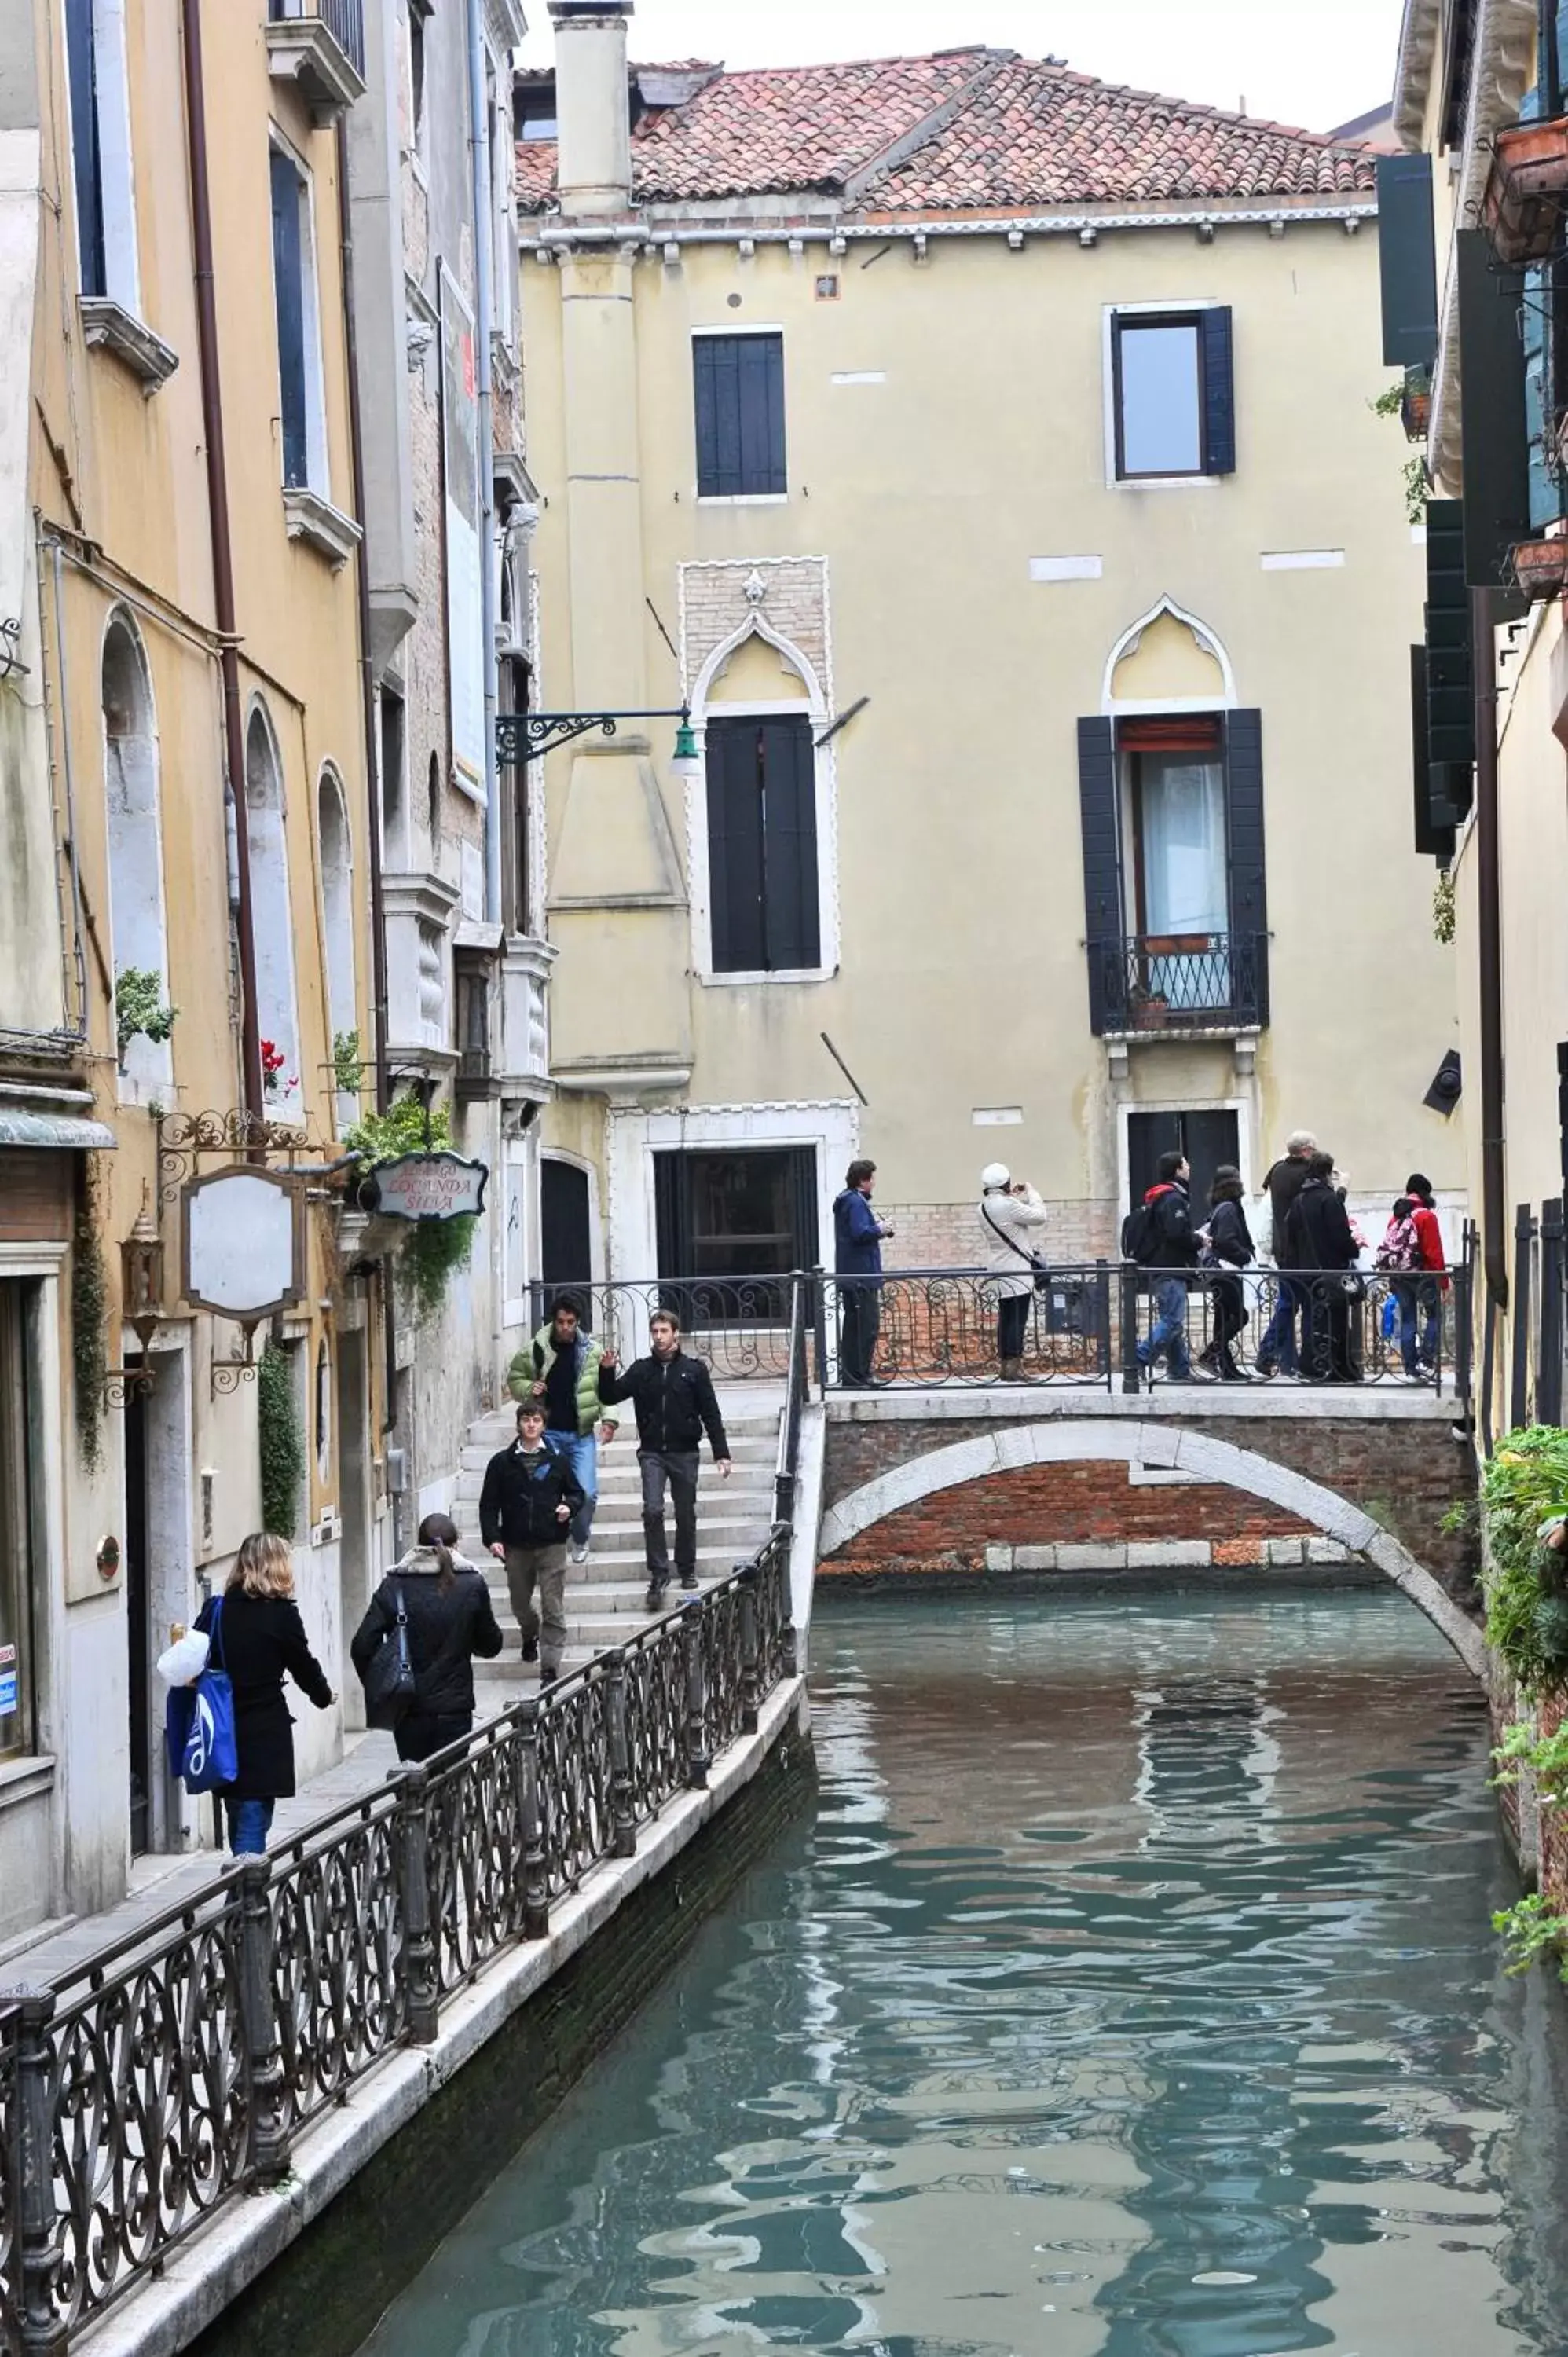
x=1526 y=192
x=1415 y=404
x=1539 y=567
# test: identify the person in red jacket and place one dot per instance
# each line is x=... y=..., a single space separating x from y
x=1425 y=1295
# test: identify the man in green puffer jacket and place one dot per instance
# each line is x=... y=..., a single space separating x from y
x=561 y=1366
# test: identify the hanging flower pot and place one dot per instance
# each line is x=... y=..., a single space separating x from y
x=1539 y=568
x=1526 y=192
x=1416 y=405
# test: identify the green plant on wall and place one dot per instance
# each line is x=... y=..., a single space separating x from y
x=434 y=1250
x=346 y=1062
x=1443 y=907
x=139 y=1008
x=1524 y=1484
x=88 y=1317
x=382 y=1136
x=281 y=1442
x=1390 y=402
x=1534 y=1932
x=1545 y=1756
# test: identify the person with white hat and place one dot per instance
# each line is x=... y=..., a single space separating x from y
x=1013 y=1227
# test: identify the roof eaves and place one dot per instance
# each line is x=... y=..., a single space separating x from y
x=898 y=151
x=1413 y=69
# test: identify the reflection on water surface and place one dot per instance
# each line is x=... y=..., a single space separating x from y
x=1130 y=1991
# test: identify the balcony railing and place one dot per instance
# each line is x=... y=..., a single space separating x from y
x=344 y=19
x=1183 y=982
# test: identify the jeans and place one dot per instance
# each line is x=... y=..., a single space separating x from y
x=581 y=1451
x=860 y=1322
x=547 y=1566
x=1277 y=1348
x=249 y=1822
x=1413 y=1294
x=1012 y=1325
x=419 y=1733
x=679 y=1468
x=1169 y=1330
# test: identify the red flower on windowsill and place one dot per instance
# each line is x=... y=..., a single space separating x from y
x=273 y=1079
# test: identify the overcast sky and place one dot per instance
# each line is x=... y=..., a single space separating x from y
x=1317 y=65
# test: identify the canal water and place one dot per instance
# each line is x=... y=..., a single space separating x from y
x=1130 y=1989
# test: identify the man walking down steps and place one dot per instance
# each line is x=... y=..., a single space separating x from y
x=672 y=1395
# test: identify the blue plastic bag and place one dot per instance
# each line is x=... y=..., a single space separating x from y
x=209 y=1753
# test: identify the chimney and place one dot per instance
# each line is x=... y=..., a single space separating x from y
x=593 y=106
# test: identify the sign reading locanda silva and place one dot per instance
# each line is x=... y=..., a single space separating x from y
x=425 y=1187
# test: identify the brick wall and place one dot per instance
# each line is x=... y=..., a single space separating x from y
x=948 y=1235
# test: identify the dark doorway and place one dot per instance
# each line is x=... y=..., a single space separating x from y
x=565 y=1245
x=1207 y=1139
x=736 y=1217
x=137 y=1629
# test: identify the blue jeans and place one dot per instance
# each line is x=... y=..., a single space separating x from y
x=1414 y=1294
x=249 y=1822
x=1277 y=1348
x=581 y=1451
x=1169 y=1331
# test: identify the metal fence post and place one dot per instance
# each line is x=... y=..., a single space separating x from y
x=696 y=1698
x=751 y=1666
x=1127 y=1290
x=417 y=1963
x=1519 y=1315
x=820 y=1324
x=1103 y=1320
x=269 y=2138
x=531 y=1820
x=37 y=2245
x=623 y=1817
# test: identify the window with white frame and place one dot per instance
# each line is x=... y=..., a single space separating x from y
x=1172 y=399
x=135 y=859
x=301 y=396
x=100 y=150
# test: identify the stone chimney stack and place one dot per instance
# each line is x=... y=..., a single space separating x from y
x=593 y=105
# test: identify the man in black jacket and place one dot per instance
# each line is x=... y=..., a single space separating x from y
x=529 y=1497
x=1318 y=1237
x=672 y=1395
x=1167 y=1247
x=1282 y=1182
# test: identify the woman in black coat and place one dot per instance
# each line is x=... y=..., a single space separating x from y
x=261 y=1638
x=450 y=1620
x=1229 y=1249
x=1318 y=1237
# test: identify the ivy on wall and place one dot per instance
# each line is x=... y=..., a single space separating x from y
x=88 y=1317
x=281 y=1442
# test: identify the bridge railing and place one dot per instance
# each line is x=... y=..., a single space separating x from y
x=741 y=1326
x=1099 y=1324
x=171 y=2071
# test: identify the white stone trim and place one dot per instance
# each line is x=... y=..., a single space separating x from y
x=636 y=1133
x=1241 y=1106
x=1129 y=642
x=1072 y=1440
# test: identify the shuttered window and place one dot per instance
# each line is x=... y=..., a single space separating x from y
x=762 y=846
x=81 y=63
x=740 y=387
x=1173 y=394
x=288 y=285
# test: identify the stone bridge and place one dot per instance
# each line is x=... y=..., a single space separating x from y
x=966 y=1483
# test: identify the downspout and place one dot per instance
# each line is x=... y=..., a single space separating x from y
x=479 y=157
x=1488 y=928
x=223 y=552
x=367 y=661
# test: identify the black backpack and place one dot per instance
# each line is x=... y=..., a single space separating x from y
x=1140 y=1237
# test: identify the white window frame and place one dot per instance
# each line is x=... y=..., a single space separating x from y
x=318 y=460
x=116 y=162
x=1173 y=306
x=829 y=1125
x=1241 y=1106
x=739 y=499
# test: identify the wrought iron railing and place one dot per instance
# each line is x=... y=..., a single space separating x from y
x=156 y=2081
x=344 y=19
x=1183 y=982
x=1095 y=1325
x=741 y=1326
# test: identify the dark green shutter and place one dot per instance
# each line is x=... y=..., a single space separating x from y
x=1104 y=923
x=1494 y=449
x=1407 y=260
x=289 y=280
x=1249 y=884
x=1433 y=828
x=81 y=64
x=791 y=923
x=739 y=385
x=1450 y=676
x=734 y=846
x=1218 y=393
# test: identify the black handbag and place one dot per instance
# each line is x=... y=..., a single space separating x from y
x=1041 y=1267
x=389 y=1674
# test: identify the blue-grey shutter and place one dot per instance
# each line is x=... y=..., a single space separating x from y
x=81 y=63
x=734 y=846
x=1102 y=919
x=1407 y=260
x=714 y=368
x=738 y=387
x=1218 y=393
x=761 y=399
x=1545 y=499
x=288 y=281
x=1494 y=449
x=1248 y=891
x=792 y=921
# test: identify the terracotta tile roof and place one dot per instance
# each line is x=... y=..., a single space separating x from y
x=1025 y=135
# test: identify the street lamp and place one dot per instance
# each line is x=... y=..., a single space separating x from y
x=523 y=737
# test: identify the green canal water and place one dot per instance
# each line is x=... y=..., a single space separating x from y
x=1130 y=1989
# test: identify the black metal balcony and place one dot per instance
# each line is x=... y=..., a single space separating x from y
x=320 y=46
x=1184 y=981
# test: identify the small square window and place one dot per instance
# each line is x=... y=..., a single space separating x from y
x=827 y=287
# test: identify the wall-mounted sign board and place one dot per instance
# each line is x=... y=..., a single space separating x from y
x=243 y=1244
x=425 y=1187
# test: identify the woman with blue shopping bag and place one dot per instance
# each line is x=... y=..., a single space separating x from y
x=255 y=1637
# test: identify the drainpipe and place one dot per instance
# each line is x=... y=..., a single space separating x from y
x=479 y=154
x=1494 y=1241
x=367 y=661
x=223 y=552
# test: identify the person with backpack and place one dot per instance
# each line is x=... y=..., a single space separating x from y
x=1419 y=1295
x=1320 y=1242
x=528 y=1499
x=672 y=1395
x=561 y=1366
x=257 y=1636
x=1160 y=1238
x=1282 y=1182
x=445 y=1603
x=1013 y=1227
x=1229 y=1250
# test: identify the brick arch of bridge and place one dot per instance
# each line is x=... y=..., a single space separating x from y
x=1198 y=1457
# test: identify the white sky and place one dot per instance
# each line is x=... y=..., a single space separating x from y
x=1317 y=64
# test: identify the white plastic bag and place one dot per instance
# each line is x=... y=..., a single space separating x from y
x=184 y=1658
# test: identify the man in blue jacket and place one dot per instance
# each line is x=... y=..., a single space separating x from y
x=857 y=1254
